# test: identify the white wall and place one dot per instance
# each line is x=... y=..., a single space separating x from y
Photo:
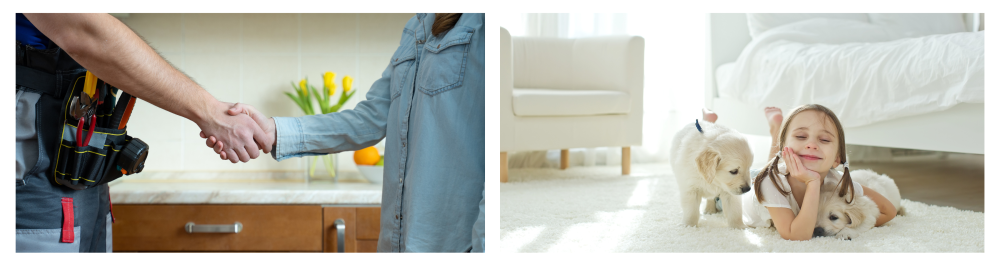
x=253 y=58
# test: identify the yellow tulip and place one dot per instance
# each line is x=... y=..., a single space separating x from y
x=348 y=81
x=328 y=82
x=302 y=85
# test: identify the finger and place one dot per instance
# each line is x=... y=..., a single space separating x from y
x=241 y=154
x=231 y=156
x=223 y=155
x=259 y=135
x=202 y=134
x=251 y=149
x=237 y=109
x=790 y=161
x=210 y=142
x=219 y=146
x=795 y=161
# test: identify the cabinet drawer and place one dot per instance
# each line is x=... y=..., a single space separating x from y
x=265 y=228
x=368 y=223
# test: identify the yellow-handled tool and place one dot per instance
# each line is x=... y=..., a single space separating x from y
x=90 y=84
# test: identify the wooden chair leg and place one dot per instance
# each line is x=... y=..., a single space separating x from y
x=564 y=159
x=626 y=160
x=503 y=167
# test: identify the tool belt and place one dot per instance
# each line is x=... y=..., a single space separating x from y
x=94 y=148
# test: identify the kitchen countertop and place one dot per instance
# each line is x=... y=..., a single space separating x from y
x=240 y=188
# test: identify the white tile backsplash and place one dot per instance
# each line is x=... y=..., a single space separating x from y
x=253 y=58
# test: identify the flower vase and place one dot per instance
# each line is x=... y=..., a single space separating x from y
x=321 y=168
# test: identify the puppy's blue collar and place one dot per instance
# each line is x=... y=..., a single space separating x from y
x=696 y=125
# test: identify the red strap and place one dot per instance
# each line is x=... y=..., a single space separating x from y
x=67 y=229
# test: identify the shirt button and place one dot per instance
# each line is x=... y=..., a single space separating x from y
x=439 y=46
x=400 y=180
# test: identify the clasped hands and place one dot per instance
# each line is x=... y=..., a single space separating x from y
x=239 y=133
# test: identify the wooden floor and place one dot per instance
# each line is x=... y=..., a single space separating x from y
x=955 y=180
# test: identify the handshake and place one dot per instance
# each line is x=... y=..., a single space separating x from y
x=238 y=132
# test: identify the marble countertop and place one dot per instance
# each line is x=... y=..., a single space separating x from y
x=241 y=188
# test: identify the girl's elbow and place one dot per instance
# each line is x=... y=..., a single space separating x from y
x=890 y=212
x=886 y=217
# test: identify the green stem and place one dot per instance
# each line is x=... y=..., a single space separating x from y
x=328 y=161
x=312 y=168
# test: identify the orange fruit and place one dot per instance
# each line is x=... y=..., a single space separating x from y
x=367 y=156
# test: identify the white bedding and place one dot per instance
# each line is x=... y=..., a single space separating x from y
x=861 y=71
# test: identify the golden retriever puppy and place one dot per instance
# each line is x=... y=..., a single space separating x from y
x=711 y=161
x=848 y=220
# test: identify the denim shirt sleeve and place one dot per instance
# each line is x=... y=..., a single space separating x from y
x=336 y=132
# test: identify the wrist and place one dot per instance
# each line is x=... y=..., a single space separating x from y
x=274 y=132
x=813 y=183
x=208 y=112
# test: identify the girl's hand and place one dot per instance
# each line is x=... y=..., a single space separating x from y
x=795 y=168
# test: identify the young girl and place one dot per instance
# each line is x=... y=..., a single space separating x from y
x=805 y=150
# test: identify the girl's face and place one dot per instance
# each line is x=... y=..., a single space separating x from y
x=813 y=137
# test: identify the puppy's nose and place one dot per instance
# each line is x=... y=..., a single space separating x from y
x=818 y=232
x=744 y=189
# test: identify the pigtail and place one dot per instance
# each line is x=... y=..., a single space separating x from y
x=769 y=172
x=846 y=183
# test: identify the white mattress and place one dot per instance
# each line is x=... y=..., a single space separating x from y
x=859 y=70
x=559 y=102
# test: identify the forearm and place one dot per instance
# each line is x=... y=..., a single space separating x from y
x=324 y=134
x=114 y=53
x=886 y=210
x=347 y=130
x=803 y=224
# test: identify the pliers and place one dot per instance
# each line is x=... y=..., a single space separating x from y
x=80 y=141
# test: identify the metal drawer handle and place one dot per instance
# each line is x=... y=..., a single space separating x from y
x=190 y=227
x=340 y=234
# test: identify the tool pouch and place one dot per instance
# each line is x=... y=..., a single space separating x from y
x=80 y=167
x=96 y=163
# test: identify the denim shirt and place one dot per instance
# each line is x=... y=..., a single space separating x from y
x=429 y=105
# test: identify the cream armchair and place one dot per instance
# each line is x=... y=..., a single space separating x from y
x=565 y=93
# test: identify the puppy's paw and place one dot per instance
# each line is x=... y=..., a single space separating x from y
x=691 y=221
x=846 y=235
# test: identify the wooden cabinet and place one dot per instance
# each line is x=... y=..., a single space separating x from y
x=360 y=232
x=264 y=228
x=294 y=228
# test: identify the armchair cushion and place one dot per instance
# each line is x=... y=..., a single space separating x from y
x=561 y=102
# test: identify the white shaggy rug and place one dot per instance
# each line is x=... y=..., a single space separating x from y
x=595 y=209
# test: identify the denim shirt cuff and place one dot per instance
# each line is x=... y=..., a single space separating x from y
x=288 y=131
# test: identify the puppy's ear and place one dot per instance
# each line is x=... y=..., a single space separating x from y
x=855 y=216
x=707 y=162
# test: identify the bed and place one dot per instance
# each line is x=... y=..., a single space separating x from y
x=911 y=81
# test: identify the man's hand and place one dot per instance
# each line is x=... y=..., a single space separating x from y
x=264 y=141
x=240 y=135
